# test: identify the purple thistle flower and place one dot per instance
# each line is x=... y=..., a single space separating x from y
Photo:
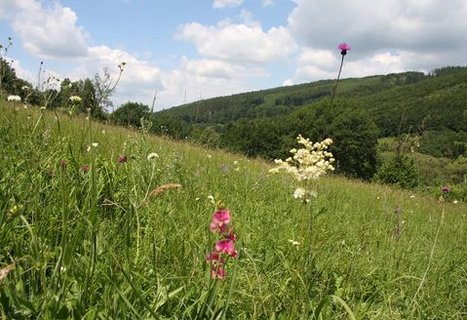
x=344 y=47
x=445 y=189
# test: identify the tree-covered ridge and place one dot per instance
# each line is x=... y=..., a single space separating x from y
x=411 y=99
x=430 y=107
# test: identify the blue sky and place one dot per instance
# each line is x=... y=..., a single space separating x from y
x=187 y=50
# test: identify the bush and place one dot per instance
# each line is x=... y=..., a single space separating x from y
x=399 y=170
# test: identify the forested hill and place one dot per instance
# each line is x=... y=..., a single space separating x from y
x=397 y=102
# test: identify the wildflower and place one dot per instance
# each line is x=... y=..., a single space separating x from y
x=211 y=199
x=75 y=99
x=412 y=196
x=25 y=88
x=445 y=189
x=152 y=156
x=343 y=47
x=122 y=158
x=95 y=144
x=161 y=189
x=219 y=220
x=215 y=258
x=455 y=202
x=14 y=98
x=299 y=193
x=306 y=164
x=85 y=168
x=293 y=242
x=226 y=246
x=217 y=265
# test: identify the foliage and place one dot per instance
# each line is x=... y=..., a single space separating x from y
x=131 y=114
x=352 y=130
x=399 y=170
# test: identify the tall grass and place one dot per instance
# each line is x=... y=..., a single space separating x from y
x=99 y=244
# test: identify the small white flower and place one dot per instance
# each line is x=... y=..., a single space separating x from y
x=235 y=162
x=209 y=156
x=455 y=202
x=95 y=144
x=211 y=199
x=14 y=98
x=152 y=156
x=75 y=99
x=412 y=197
x=293 y=242
x=299 y=193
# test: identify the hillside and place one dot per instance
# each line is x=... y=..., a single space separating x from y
x=424 y=113
x=409 y=99
x=99 y=221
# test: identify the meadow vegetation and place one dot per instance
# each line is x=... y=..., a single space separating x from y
x=103 y=222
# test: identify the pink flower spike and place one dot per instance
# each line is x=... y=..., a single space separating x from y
x=226 y=246
x=219 y=221
x=218 y=273
x=232 y=236
x=214 y=258
x=344 y=47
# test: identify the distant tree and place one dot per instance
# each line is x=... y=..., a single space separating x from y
x=105 y=86
x=130 y=114
x=350 y=127
x=87 y=92
x=258 y=137
x=399 y=170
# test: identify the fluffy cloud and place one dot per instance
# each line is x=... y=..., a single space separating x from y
x=139 y=80
x=407 y=25
x=226 y=3
x=47 y=32
x=390 y=36
x=240 y=43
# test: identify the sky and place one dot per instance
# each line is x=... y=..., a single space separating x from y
x=186 y=50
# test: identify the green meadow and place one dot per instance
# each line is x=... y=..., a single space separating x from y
x=102 y=222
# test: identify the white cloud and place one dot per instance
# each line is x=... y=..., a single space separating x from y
x=47 y=32
x=193 y=80
x=267 y=3
x=241 y=43
x=139 y=80
x=387 y=36
x=226 y=3
x=388 y=24
x=23 y=73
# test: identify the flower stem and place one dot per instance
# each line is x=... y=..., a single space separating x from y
x=333 y=93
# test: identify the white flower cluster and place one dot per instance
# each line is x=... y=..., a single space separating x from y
x=14 y=98
x=307 y=163
x=75 y=99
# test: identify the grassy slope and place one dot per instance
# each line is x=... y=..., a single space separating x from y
x=96 y=244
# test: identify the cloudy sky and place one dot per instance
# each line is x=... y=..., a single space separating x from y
x=191 y=49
